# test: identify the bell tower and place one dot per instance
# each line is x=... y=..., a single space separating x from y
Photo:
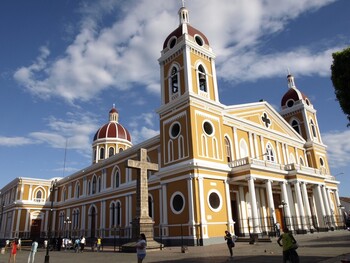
x=299 y=112
x=187 y=64
x=188 y=92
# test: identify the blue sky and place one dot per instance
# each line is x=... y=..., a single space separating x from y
x=63 y=64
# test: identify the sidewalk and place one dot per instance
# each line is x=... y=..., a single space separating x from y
x=328 y=247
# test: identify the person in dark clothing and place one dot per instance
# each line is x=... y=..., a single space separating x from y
x=230 y=242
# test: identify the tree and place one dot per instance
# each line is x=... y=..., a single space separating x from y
x=341 y=79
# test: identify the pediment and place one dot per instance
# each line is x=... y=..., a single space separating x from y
x=264 y=117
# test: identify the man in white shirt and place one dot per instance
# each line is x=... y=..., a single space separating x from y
x=33 y=250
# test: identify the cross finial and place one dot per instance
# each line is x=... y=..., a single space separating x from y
x=183 y=3
x=113 y=105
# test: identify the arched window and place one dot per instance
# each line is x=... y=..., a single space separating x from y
x=296 y=126
x=110 y=151
x=89 y=188
x=112 y=215
x=94 y=183
x=243 y=148
x=39 y=196
x=202 y=79
x=75 y=219
x=270 y=155
x=64 y=194
x=116 y=179
x=313 y=129
x=102 y=153
x=99 y=184
x=301 y=160
x=119 y=215
x=174 y=80
x=228 y=150
x=77 y=190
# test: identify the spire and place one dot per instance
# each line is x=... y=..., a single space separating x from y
x=183 y=14
x=291 y=83
x=113 y=114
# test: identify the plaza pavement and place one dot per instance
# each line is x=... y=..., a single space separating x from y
x=326 y=247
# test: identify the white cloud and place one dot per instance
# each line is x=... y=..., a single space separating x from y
x=15 y=141
x=338 y=148
x=125 y=54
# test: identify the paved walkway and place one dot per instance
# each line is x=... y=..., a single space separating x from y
x=329 y=247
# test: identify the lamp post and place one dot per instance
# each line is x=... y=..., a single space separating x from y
x=2 y=211
x=67 y=222
x=282 y=205
x=52 y=191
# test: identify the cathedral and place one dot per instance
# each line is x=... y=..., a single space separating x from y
x=217 y=167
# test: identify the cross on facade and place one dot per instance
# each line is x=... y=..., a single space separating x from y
x=142 y=222
x=266 y=120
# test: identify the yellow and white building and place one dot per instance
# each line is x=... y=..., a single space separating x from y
x=238 y=167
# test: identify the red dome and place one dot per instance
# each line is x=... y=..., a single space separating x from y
x=112 y=130
x=292 y=95
x=178 y=32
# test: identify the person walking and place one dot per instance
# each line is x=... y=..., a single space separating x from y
x=82 y=243
x=32 y=252
x=230 y=242
x=77 y=245
x=13 y=252
x=141 y=248
x=278 y=229
x=99 y=243
x=289 y=245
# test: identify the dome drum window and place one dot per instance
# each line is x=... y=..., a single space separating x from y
x=290 y=103
x=199 y=40
x=172 y=42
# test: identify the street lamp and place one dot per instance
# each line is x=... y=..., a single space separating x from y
x=282 y=205
x=52 y=191
x=67 y=222
x=2 y=211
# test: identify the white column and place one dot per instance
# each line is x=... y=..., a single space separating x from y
x=83 y=218
x=242 y=206
x=250 y=138
x=326 y=204
x=191 y=221
x=27 y=221
x=251 y=188
x=306 y=204
x=270 y=199
x=235 y=138
x=286 y=208
x=230 y=222
x=337 y=200
x=202 y=208
x=19 y=215
x=319 y=206
x=300 y=204
x=263 y=209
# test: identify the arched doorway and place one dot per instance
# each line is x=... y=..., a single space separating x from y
x=92 y=220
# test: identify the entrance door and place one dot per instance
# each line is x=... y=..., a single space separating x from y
x=35 y=228
x=235 y=216
x=93 y=222
x=279 y=217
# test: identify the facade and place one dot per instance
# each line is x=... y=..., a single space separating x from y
x=237 y=167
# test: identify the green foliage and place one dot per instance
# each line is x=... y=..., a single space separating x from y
x=341 y=79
